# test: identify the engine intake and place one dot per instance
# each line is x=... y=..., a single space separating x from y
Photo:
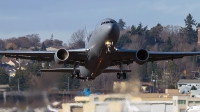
x=142 y=56
x=61 y=56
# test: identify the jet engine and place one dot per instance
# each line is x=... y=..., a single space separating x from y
x=142 y=56
x=61 y=56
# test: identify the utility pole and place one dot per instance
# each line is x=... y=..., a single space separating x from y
x=18 y=85
x=68 y=84
x=153 y=80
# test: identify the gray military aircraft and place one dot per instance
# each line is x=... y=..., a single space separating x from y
x=99 y=54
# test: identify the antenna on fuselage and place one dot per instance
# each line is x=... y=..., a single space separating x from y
x=86 y=37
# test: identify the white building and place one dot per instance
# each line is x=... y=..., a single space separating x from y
x=185 y=85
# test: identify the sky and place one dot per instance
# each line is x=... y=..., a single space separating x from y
x=64 y=17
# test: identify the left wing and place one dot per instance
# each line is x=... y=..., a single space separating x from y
x=70 y=70
x=75 y=55
x=129 y=56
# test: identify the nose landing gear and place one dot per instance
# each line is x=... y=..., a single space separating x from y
x=108 y=45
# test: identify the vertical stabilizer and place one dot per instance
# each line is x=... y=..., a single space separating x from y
x=86 y=37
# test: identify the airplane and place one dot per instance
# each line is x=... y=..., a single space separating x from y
x=98 y=55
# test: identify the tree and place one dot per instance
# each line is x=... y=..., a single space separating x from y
x=124 y=39
x=13 y=40
x=34 y=39
x=11 y=46
x=153 y=35
x=121 y=24
x=168 y=45
x=194 y=59
x=171 y=87
x=63 y=83
x=77 y=39
x=190 y=32
x=4 y=77
x=140 y=30
x=48 y=42
x=22 y=78
x=143 y=72
x=43 y=48
x=193 y=88
x=57 y=42
x=2 y=44
x=24 y=42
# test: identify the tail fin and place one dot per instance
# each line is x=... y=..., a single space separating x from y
x=86 y=37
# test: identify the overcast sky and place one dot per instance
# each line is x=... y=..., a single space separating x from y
x=63 y=17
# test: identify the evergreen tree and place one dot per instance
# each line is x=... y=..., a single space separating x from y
x=121 y=24
x=193 y=88
x=43 y=48
x=21 y=78
x=4 y=77
x=143 y=73
x=168 y=45
x=190 y=32
x=124 y=39
x=171 y=87
x=194 y=59
x=152 y=36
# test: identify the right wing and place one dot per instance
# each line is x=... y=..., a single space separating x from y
x=129 y=56
x=75 y=55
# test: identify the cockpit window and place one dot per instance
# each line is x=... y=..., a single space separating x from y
x=105 y=22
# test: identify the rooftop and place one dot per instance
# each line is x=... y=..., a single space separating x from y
x=188 y=81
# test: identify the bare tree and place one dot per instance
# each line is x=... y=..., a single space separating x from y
x=2 y=44
x=24 y=42
x=34 y=39
x=48 y=43
x=77 y=39
x=57 y=42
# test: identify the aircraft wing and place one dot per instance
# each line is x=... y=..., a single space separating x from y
x=129 y=56
x=70 y=70
x=74 y=55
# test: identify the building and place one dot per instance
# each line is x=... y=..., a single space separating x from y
x=185 y=85
x=181 y=103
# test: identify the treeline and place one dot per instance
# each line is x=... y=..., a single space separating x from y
x=163 y=38
x=27 y=42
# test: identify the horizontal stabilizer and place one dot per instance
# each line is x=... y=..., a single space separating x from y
x=58 y=70
x=108 y=70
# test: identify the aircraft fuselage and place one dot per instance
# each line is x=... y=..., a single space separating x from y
x=101 y=45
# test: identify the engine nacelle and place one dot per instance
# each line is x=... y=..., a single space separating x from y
x=142 y=56
x=61 y=56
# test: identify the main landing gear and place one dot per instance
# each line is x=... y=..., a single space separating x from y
x=121 y=74
x=75 y=73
